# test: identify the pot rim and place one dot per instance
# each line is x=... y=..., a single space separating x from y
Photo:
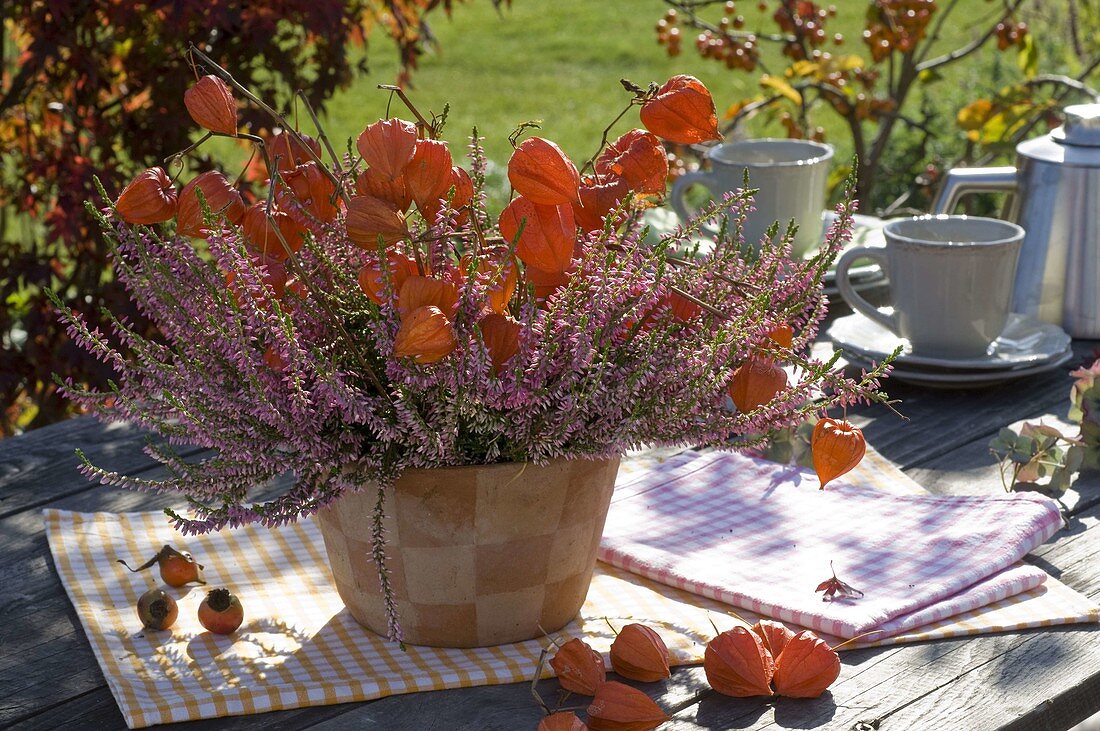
x=501 y=466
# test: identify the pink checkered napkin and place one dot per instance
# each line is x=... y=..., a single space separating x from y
x=760 y=536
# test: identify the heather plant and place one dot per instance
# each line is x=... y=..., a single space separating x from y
x=332 y=332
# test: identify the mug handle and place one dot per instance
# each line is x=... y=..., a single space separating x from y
x=848 y=292
x=679 y=189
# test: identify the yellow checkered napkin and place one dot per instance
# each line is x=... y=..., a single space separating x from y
x=298 y=646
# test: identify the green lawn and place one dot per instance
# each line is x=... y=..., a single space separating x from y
x=561 y=62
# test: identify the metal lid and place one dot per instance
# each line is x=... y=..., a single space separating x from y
x=1081 y=128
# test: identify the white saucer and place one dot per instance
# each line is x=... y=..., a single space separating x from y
x=1025 y=342
x=965 y=379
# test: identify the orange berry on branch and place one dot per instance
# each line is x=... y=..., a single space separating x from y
x=541 y=172
x=837 y=446
x=149 y=198
x=211 y=104
x=682 y=111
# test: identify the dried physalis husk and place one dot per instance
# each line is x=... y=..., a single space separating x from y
x=619 y=707
x=288 y=153
x=597 y=200
x=562 y=721
x=774 y=635
x=149 y=198
x=370 y=218
x=544 y=235
x=387 y=146
x=639 y=159
x=393 y=190
x=838 y=446
x=756 y=382
x=400 y=268
x=501 y=336
x=683 y=309
x=782 y=335
x=579 y=668
x=425 y=335
x=313 y=190
x=428 y=174
x=211 y=104
x=220 y=197
x=417 y=291
x=266 y=231
x=737 y=664
x=639 y=653
x=541 y=172
x=682 y=111
x=806 y=667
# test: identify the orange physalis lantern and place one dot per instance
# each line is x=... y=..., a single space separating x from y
x=782 y=335
x=838 y=446
x=149 y=198
x=370 y=218
x=737 y=664
x=547 y=237
x=260 y=231
x=417 y=291
x=562 y=721
x=546 y=283
x=619 y=707
x=425 y=335
x=428 y=174
x=212 y=106
x=639 y=653
x=597 y=200
x=220 y=197
x=499 y=272
x=313 y=190
x=541 y=172
x=682 y=111
x=374 y=183
x=806 y=667
x=501 y=336
x=755 y=383
x=287 y=153
x=683 y=309
x=579 y=668
x=463 y=187
x=774 y=635
x=639 y=159
x=387 y=146
x=400 y=268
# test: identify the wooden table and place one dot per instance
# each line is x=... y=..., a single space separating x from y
x=1048 y=679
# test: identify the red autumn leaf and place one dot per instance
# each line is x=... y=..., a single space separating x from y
x=541 y=172
x=639 y=159
x=545 y=233
x=387 y=146
x=428 y=174
x=682 y=111
x=369 y=218
x=211 y=104
x=806 y=667
x=834 y=587
x=220 y=197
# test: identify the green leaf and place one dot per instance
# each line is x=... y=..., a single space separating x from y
x=1027 y=58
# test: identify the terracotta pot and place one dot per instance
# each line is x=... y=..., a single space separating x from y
x=478 y=555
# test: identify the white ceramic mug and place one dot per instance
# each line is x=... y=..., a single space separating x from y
x=791 y=176
x=950 y=281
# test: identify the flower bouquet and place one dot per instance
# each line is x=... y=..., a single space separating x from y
x=370 y=326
